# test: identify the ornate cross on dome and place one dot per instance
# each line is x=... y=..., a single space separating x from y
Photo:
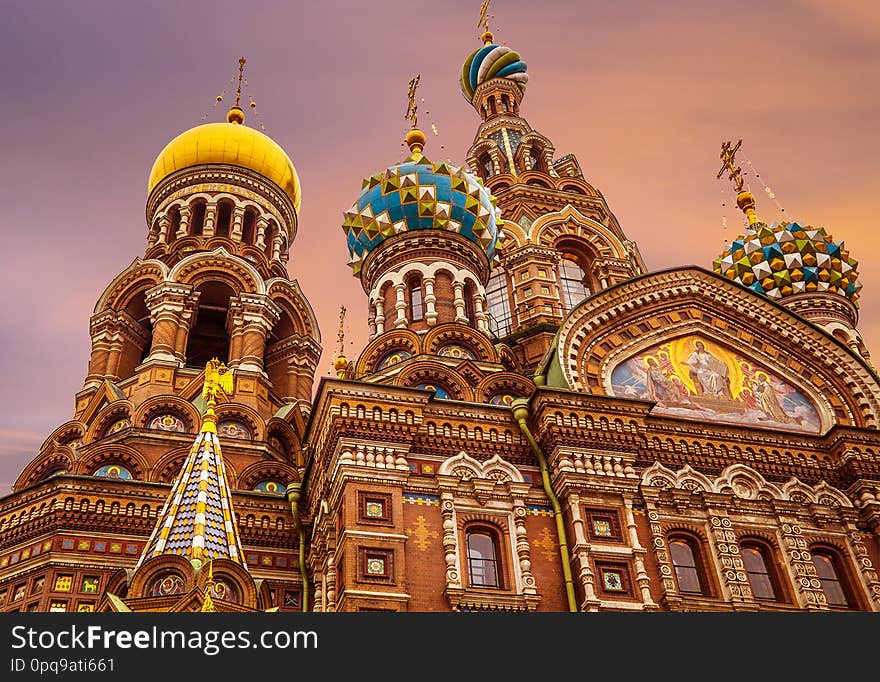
x=241 y=62
x=728 y=157
x=484 y=22
x=412 y=108
x=341 y=363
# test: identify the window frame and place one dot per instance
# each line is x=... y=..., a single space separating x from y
x=494 y=536
x=771 y=568
x=699 y=567
x=843 y=577
x=364 y=498
x=592 y=514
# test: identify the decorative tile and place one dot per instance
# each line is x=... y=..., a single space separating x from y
x=90 y=585
x=63 y=583
x=602 y=528
x=612 y=581
x=375 y=565
x=374 y=509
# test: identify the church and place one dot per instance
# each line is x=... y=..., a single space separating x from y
x=537 y=422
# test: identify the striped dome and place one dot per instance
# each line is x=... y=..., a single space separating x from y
x=787 y=258
x=419 y=194
x=492 y=61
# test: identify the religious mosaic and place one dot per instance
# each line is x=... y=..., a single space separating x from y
x=168 y=422
x=114 y=471
x=233 y=429
x=696 y=378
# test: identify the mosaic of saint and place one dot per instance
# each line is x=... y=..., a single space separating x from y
x=694 y=377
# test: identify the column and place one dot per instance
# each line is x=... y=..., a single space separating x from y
x=251 y=318
x=330 y=578
x=166 y=302
x=164 y=224
x=210 y=219
x=808 y=589
x=458 y=288
x=430 y=302
x=380 y=315
x=581 y=550
x=523 y=549
x=482 y=320
x=276 y=245
x=262 y=224
x=734 y=581
x=100 y=328
x=185 y=215
x=371 y=320
x=400 y=306
x=237 y=222
x=639 y=552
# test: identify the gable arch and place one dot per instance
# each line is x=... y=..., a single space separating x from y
x=569 y=223
x=136 y=278
x=451 y=332
x=396 y=339
x=435 y=373
x=218 y=265
x=604 y=330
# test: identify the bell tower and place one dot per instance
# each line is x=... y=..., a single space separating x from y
x=561 y=241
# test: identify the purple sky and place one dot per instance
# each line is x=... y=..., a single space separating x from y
x=642 y=92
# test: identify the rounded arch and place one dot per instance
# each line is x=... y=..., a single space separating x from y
x=124 y=455
x=168 y=466
x=435 y=373
x=156 y=405
x=56 y=460
x=452 y=333
x=289 y=297
x=382 y=345
x=156 y=567
x=262 y=471
x=835 y=379
x=115 y=412
x=503 y=383
x=282 y=438
x=218 y=266
x=236 y=575
x=137 y=278
x=571 y=224
x=242 y=413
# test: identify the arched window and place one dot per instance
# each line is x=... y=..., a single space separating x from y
x=486 y=165
x=224 y=218
x=482 y=556
x=173 y=224
x=416 y=301
x=470 y=292
x=533 y=159
x=759 y=567
x=572 y=278
x=248 y=229
x=830 y=574
x=208 y=337
x=197 y=222
x=688 y=569
x=498 y=302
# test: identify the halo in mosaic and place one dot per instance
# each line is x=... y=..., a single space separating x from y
x=273 y=487
x=439 y=391
x=786 y=258
x=114 y=471
x=492 y=61
x=168 y=422
x=419 y=194
x=233 y=429
x=456 y=351
x=393 y=358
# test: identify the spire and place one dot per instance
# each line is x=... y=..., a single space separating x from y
x=341 y=362
x=744 y=199
x=197 y=520
x=415 y=139
x=236 y=113
x=483 y=22
x=208 y=603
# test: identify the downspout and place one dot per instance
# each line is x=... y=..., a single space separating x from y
x=520 y=409
x=293 y=496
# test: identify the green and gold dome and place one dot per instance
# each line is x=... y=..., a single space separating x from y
x=788 y=258
x=419 y=194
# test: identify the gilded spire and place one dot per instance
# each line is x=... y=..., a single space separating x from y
x=415 y=138
x=483 y=22
x=341 y=362
x=197 y=520
x=236 y=113
x=744 y=199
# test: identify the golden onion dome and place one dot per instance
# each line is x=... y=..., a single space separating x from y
x=231 y=144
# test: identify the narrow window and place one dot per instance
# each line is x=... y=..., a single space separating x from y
x=482 y=560
x=415 y=301
x=572 y=278
x=498 y=302
x=757 y=567
x=828 y=571
x=687 y=570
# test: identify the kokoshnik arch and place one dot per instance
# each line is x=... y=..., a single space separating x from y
x=536 y=423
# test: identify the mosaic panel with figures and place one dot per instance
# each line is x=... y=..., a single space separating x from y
x=694 y=377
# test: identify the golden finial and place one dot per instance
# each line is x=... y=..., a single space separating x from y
x=341 y=362
x=744 y=199
x=487 y=36
x=208 y=604
x=218 y=381
x=236 y=113
x=415 y=138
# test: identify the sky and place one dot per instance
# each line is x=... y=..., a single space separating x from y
x=643 y=93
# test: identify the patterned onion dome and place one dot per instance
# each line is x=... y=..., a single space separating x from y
x=492 y=61
x=419 y=194
x=787 y=258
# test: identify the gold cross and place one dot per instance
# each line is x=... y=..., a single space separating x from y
x=241 y=61
x=484 y=15
x=341 y=334
x=412 y=108
x=728 y=156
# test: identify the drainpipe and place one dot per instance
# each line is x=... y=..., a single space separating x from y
x=520 y=409
x=293 y=496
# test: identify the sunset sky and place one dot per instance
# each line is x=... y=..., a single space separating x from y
x=643 y=92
